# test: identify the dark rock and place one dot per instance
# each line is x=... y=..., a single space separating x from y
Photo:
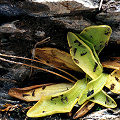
x=30 y=23
x=9 y=12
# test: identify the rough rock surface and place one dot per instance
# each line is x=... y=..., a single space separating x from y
x=24 y=23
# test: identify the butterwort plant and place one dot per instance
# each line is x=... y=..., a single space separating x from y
x=84 y=50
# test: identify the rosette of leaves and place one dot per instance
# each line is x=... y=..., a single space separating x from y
x=84 y=49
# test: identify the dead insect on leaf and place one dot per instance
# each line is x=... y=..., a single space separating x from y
x=90 y=92
x=24 y=95
x=33 y=92
x=112 y=86
x=95 y=67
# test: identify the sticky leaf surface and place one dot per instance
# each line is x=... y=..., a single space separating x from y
x=113 y=83
x=103 y=99
x=97 y=35
x=83 y=56
x=90 y=45
x=58 y=103
x=93 y=87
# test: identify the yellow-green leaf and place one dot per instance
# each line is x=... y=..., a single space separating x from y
x=83 y=57
x=93 y=87
x=113 y=83
x=90 y=45
x=103 y=99
x=97 y=35
x=59 y=103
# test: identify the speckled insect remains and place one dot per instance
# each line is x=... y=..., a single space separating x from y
x=43 y=87
x=90 y=92
x=24 y=95
x=95 y=67
x=112 y=86
x=82 y=54
x=76 y=41
x=76 y=61
x=33 y=92
x=117 y=78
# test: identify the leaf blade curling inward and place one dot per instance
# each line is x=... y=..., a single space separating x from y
x=93 y=87
x=91 y=47
x=103 y=99
x=83 y=57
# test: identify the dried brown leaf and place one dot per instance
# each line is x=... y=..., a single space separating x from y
x=113 y=62
x=83 y=109
x=56 y=57
x=34 y=93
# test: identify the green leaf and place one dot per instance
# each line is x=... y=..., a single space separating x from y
x=97 y=35
x=93 y=87
x=103 y=99
x=91 y=47
x=59 y=103
x=83 y=57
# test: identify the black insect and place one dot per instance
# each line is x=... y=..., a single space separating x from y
x=61 y=95
x=83 y=53
x=33 y=92
x=43 y=87
x=53 y=98
x=107 y=32
x=107 y=101
x=91 y=36
x=93 y=98
x=101 y=45
x=76 y=61
x=101 y=41
x=112 y=86
x=62 y=100
x=25 y=95
x=66 y=99
x=76 y=41
x=74 y=51
x=95 y=67
x=116 y=78
x=90 y=92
